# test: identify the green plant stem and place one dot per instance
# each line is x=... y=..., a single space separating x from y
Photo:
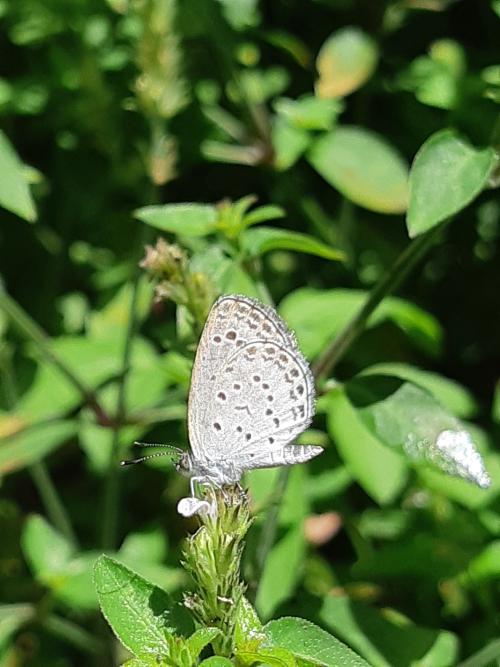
x=32 y=330
x=268 y=534
x=112 y=486
x=73 y=634
x=52 y=503
x=403 y=265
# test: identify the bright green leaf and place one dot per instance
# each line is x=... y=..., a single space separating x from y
x=15 y=195
x=51 y=394
x=248 y=628
x=12 y=618
x=241 y=14
x=328 y=484
x=382 y=641
x=201 y=638
x=381 y=472
x=446 y=175
x=306 y=641
x=33 y=444
x=46 y=550
x=138 y=662
x=309 y=112
x=256 y=242
x=115 y=315
x=270 y=657
x=435 y=79
x=235 y=280
x=283 y=566
x=345 y=62
x=138 y=612
x=363 y=167
x=262 y=214
x=490 y=653
x=182 y=219
x=404 y=416
x=73 y=584
x=486 y=565
x=451 y=394
x=317 y=316
x=217 y=661
x=148 y=545
x=289 y=143
x=461 y=491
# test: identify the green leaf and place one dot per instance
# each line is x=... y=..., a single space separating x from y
x=383 y=641
x=46 y=550
x=309 y=112
x=345 y=62
x=248 y=628
x=15 y=194
x=461 y=491
x=289 y=143
x=33 y=444
x=73 y=584
x=256 y=242
x=271 y=657
x=138 y=612
x=262 y=214
x=182 y=219
x=449 y=393
x=446 y=175
x=317 y=316
x=381 y=472
x=235 y=280
x=486 y=565
x=491 y=652
x=283 y=566
x=306 y=641
x=52 y=561
x=94 y=361
x=217 y=661
x=149 y=546
x=436 y=79
x=114 y=316
x=201 y=638
x=328 y=484
x=138 y=662
x=404 y=416
x=12 y=618
x=364 y=167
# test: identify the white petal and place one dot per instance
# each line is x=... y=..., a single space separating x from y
x=190 y=506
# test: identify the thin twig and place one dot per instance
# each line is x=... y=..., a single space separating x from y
x=27 y=325
x=403 y=265
x=112 y=487
x=52 y=502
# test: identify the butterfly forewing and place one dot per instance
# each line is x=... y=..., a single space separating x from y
x=251 y=391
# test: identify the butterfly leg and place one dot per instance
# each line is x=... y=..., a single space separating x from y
x=202 y=481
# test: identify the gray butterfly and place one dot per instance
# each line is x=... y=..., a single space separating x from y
x=251 y=395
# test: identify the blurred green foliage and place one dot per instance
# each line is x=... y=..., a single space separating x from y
x=157 y=153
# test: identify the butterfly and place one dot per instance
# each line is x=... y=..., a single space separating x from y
x=251 y=394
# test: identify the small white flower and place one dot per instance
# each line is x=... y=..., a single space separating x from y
x=190 y=506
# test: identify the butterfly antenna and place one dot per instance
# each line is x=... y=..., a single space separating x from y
x=159 y=445
x=130 y=462
x=170 y=450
